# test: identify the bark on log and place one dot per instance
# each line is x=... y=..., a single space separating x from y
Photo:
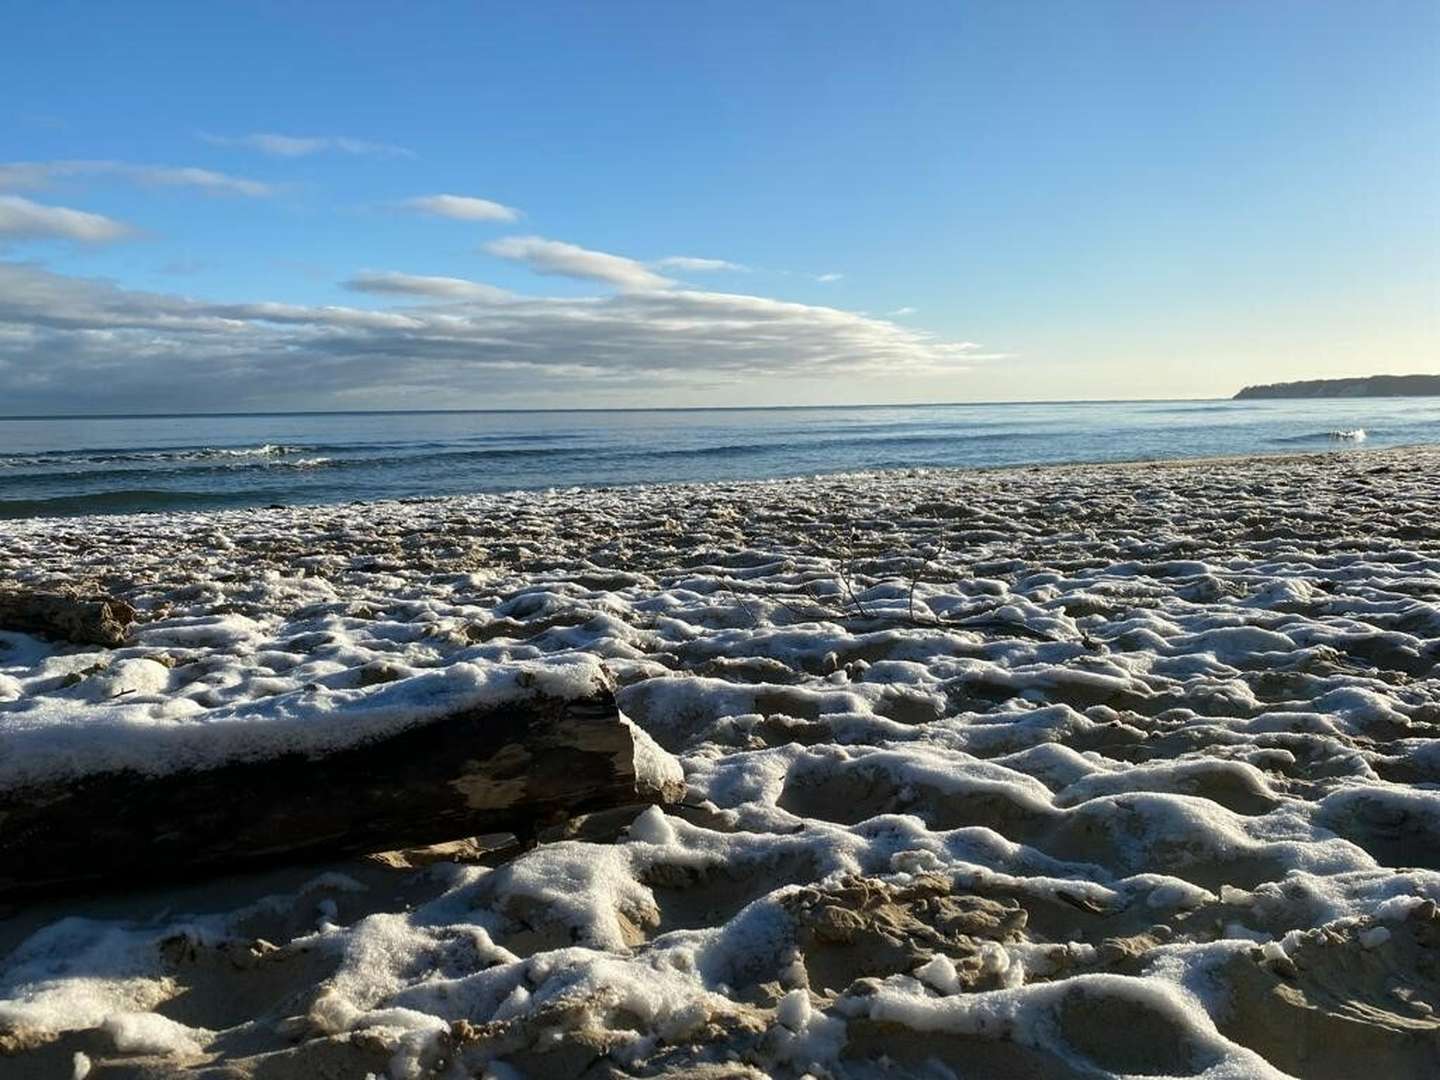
x=82 y=619
x=513 y=768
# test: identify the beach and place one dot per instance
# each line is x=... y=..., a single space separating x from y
x=1043 y=771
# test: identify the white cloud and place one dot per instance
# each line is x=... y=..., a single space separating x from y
x=690 y=264
x=18 y=175
x=304 y=145
x=76 y=344
x=827 y=278
x=205 y=179
x=900 y=312
x=462 y=208
x=556 y=258
x=21 y=219
x=435 y=288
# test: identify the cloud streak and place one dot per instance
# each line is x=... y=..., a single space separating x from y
x=28 y=175
x=21 y=219
x=430 y=288
x=462 y=208
x=689 y=264
x=558 y=259
x=291 y=146
x=78 y=344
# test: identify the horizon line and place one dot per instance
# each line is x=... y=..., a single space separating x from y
x=598 y=409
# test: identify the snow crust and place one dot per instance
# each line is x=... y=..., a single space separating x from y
x=1064 y=766
x=121 y=717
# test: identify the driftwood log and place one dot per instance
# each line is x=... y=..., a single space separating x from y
x=514 y=768
x=80 y=618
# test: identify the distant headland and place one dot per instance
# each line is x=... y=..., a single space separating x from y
x=1370 y=386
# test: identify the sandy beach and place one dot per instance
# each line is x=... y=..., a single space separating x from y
x=1066 y=771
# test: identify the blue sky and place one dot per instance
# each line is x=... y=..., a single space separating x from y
x=918 y=201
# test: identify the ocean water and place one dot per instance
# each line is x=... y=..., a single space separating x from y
x=65 y=466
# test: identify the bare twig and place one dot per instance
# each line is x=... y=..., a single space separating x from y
x=749 y=611
x=920 y=566
x=844 y=572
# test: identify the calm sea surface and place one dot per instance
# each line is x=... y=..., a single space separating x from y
x=126 y=464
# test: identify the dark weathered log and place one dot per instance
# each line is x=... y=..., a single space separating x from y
x=85 y=619
x=514 y=768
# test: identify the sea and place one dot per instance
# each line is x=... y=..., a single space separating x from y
x=127 y=464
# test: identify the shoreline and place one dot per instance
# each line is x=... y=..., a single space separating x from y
x=1279 y=457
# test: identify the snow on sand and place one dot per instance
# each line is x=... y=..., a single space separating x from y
x=1051 y=772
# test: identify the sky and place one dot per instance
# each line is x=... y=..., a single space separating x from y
x=220 y=207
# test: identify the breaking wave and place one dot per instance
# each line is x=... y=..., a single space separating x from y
x=147 y=455
x=1338 y=435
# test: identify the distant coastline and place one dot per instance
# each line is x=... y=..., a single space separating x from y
x=1370 y=386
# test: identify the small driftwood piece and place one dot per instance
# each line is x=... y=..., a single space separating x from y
x=84 y=619
x=514 y=768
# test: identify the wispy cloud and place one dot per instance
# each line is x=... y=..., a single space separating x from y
x=20 y=175
x=431 y=288
x=303 y=145
x=554 y=257
x=69 y=342
x=462 y=208
x=901 y=312
x=827 y=278
x=692 y=265
x=21 y=219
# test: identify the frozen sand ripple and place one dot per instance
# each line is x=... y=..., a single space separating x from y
x=1048 y=772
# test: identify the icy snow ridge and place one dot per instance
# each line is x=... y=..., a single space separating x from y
x=1068 y=771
